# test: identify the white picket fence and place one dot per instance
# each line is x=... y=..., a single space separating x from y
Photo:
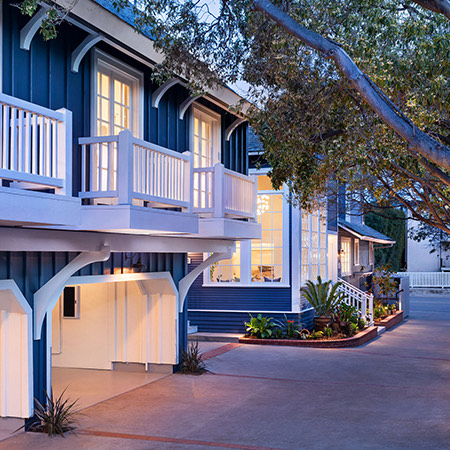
x=35 y=145
x=123 y=168
x=362 y=301
x=427 y=279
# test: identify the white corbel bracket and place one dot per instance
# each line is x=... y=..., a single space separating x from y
x=232 y=127
x=28 y=32
x=159 y=93
x=185 y=105
x=79 y=53
x=47 y=296
x=186 y=282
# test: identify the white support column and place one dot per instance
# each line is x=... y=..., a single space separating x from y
x=125 y=167
x=189 y=181
x=219 y=175
x=186 y=282
x=47 y=296
x=295 y=260
x=64 y=156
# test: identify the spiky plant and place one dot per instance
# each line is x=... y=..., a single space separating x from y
x=54 y=417
x=323 y=296
x=191 y=360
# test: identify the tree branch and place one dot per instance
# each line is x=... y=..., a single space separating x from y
x=418 y=140
x=437 y=6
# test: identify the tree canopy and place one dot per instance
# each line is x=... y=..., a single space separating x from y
x=355 y=90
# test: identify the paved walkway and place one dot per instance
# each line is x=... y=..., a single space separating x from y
x=391 y=393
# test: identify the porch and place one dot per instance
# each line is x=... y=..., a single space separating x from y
x=125 y=184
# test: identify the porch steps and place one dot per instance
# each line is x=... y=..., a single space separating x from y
x=215 y=337
x=192 y=328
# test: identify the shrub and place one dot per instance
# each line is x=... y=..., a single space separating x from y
x=259 y=326
x=288 y=327
x=316 y=335
x=328 y=332
x=361 y=323
x=323 y=296
x=54 y=417
x=191 y=360
x=353 y=329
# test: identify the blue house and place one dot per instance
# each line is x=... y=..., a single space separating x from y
x=265 y=275
x=107 y=182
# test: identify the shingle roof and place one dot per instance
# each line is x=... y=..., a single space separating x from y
x=365 y=233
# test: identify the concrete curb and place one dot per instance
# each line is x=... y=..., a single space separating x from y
x=391 y=321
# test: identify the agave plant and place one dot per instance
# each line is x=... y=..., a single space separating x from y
x=54 y=417
x=323 y=296
x=191 y=360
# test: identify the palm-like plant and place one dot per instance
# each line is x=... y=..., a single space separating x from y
x=324 y=297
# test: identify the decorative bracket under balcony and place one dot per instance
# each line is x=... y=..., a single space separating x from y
x=159 y=93
x=185 y=105
x=28 y=32
x=232 y=127
x=79 y=53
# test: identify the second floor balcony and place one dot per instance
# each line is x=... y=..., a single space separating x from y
x=126 y=184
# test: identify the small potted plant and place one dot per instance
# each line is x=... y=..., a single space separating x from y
x=324 y=297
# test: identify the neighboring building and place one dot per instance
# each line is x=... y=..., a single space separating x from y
x=107 y=182
x=265 y=276
x=357 y=242
x=427 y=255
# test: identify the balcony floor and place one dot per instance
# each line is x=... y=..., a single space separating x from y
x=137 y=219
x=219 y=228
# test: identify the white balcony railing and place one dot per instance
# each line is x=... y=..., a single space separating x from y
x=35 y=146
x=220 y=192
x=130 y=170
x=362 y=301
x=124 y=170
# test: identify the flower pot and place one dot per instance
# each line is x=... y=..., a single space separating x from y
x=321 y=322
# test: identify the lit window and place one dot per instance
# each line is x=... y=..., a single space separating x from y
x=227 y=270
x=346 y=244
x=356 y=253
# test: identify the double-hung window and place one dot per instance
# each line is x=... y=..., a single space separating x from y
x=117 y=105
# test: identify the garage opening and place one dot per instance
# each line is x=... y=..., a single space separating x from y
x=113 y=333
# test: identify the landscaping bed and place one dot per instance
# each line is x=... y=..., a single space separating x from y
x=390 y=321
x=358 y=339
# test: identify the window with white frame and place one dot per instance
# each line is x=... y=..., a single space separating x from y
x=267 y=252
x=261 y=261
x=206 y=152
x=356 y=253
x=116 y=105
x=346 y=256
x=314 y=244
x=227 y=270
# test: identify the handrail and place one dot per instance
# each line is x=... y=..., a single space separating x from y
x=362 y=301
x=159 y=149
x=31 y=107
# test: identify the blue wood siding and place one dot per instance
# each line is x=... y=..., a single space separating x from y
x=233 y=322
x=31 y=270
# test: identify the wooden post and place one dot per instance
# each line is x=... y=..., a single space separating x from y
x=218 y=194
x=65 y=150
x=255 y=196
x=188 y=193
x=125 y=167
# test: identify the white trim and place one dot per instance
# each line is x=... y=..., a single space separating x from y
x=295 y=258
x=79 y=53
x=30 y=29
x=1 y=46
x=232 y=127
x=184 y=106
x=100 y=58
x=350 y=255
x=247 y=311
x=161 y=91
x=19 y=304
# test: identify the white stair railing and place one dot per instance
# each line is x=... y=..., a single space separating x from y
x=362 y=301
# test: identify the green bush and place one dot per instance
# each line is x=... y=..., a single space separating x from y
x=323 y=296
x=260 y=327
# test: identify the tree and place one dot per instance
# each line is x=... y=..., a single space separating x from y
x=357 y=90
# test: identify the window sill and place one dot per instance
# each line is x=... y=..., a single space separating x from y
x=252 y=285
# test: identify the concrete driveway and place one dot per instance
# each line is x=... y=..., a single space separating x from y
x=391 y=393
